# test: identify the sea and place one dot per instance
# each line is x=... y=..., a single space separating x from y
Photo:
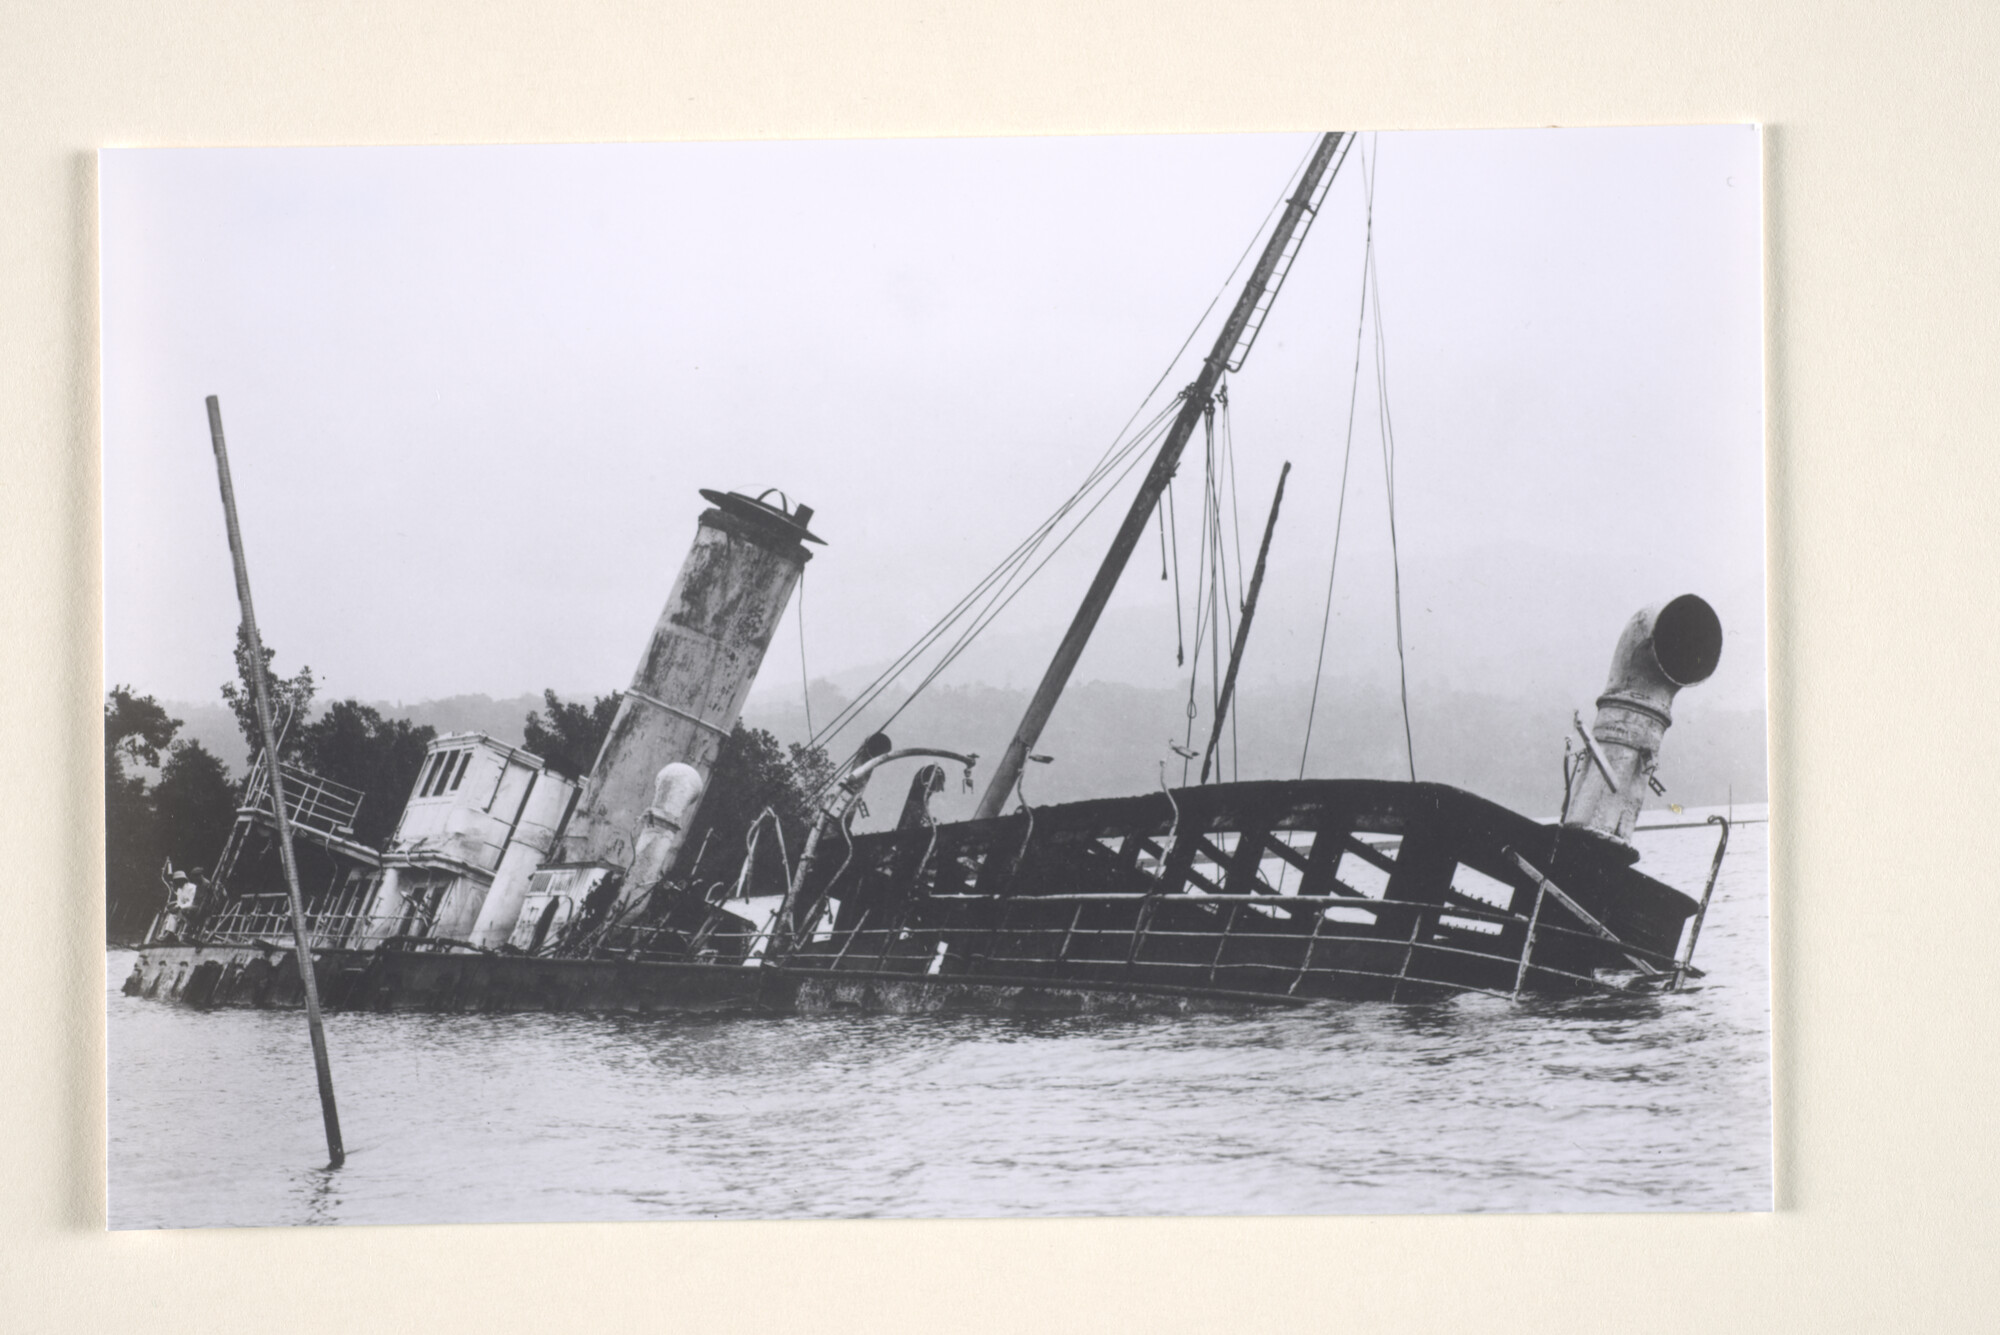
x=1627 y=1103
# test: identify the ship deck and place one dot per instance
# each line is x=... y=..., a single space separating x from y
x=1229 y=894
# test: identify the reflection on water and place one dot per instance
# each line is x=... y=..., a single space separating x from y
x=1626 y=1103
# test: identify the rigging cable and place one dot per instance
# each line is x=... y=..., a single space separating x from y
x=986 y=614
x=1000 y=573
x=987 y=617
x=1388 y=431
x=1009 y=568
x=1347 y=459
x=1235 y=506
x=1174 y=523
x=1203 y=622
x=805 y=680
x=1276 y=204
x=1236 y=524
x=1222 y=621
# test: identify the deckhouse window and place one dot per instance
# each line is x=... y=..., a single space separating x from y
x=441 y=769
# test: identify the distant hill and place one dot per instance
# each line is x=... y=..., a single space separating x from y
x=215 y=727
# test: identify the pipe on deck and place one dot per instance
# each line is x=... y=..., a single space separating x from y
x=1662 y=649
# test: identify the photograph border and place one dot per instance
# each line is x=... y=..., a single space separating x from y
x=1872 y=1226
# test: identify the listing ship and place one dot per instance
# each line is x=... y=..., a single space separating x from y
x=508 y=887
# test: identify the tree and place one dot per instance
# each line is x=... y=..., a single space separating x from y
x=354 y=745
x=753 y=771
x=572 y=734
x=195 y=804
x=136 y=729
x=291 y=700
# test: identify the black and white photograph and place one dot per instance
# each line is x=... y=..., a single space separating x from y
x=936 y=678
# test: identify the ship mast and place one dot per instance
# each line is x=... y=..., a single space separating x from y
x=1231 y=347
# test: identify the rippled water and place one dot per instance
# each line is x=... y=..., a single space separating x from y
x=1642 y=1103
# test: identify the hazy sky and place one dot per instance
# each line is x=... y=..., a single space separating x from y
x=471 y=393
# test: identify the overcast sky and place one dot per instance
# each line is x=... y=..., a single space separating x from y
x=471 y=393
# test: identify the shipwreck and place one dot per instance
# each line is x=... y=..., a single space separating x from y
x=509 y=887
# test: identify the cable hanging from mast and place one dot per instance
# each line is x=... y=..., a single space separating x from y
x=1216 y=603
x=1387 y=431
x=805 y=678
x=1388 y=428
x=1242 y=596
x=1371 y=299
x=1004 y=579
x=1174 y=523
x=998 y=588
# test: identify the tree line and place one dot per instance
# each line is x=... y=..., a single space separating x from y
x=753 y=771
x=181 y=812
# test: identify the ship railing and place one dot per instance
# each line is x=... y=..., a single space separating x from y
x=661 y=944
x=1475 y=934
x=1078 y=951
x=1457 y=913
x=266 y=919
x=312 y=802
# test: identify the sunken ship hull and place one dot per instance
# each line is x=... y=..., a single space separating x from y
x=1350 y=889
x=1273 y=892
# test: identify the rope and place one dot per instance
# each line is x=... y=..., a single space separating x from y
x=1229 y=462
x=805 y=681
x=1204 y=623
x=1221 y=621
x=995 y=605
x=1009 y=567
x=1231 y=607
x=1388 y=429
x=1215 y=575
x=1001 y=574
x=1347 y=459
x=1180 y=636
x=987 y=618
x=1215 y=616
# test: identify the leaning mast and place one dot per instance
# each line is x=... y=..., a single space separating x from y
x=1231 y=347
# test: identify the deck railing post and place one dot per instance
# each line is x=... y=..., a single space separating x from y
x=1228 y=925
x=1581 y=914
x=1062 y=952
x=1528 y=944
x=1701 y=914
x=852 y=932
x=1312 y=944
x=1409 y=952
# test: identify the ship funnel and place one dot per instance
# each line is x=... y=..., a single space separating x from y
x=1663 y=649
x=688 y=690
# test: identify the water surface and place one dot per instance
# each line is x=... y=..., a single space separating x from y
x=1639 y=1103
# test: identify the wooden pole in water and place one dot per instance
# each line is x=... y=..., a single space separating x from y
x=260 y=681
